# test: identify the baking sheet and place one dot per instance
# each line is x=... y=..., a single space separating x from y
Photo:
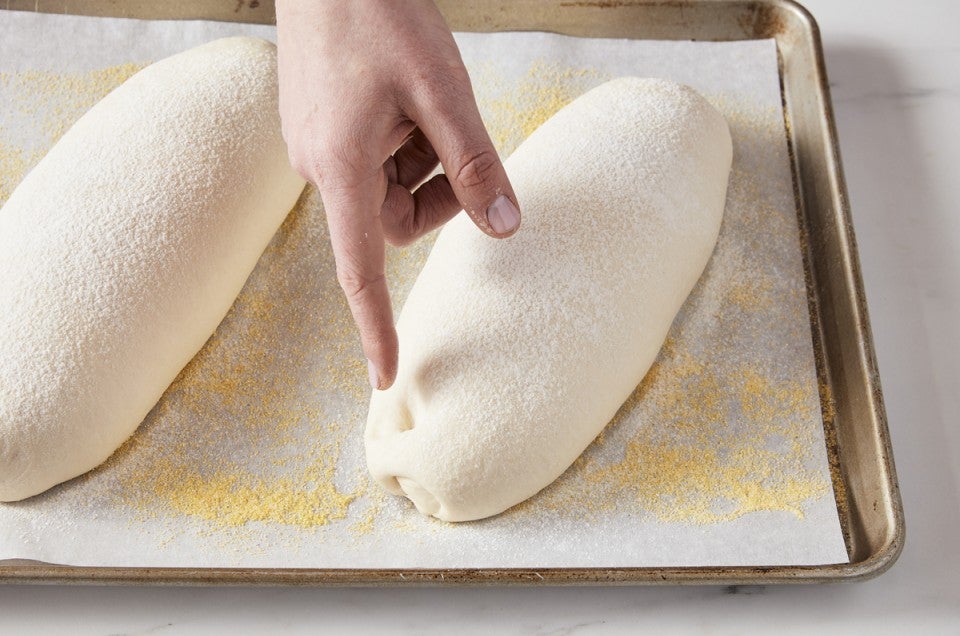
x=254 y=455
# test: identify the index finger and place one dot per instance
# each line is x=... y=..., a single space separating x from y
x=356 y=234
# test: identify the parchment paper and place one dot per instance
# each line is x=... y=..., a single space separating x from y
x=254 y=455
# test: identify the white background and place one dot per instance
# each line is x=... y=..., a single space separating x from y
x=894 y=68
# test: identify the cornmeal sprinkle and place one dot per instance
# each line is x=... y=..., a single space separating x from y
x=13 y=167
x=512 y=113
x=264 y=426
x=232 y=496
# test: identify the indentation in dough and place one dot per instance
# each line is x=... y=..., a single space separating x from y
x=400 y=421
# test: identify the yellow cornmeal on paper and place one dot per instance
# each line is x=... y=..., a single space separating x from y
x=13 y=167
x=62 y=97
x=55 y=100
x=685 y=468
x=512 y=112
x=232 y=496
x=684 y=465
x=264 y=425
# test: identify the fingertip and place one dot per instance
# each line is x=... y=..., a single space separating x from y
x=378 y=381
x=382 y=358
x=386 y=383
x=373 y=375
x=388 y=374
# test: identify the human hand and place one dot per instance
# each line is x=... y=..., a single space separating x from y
x=373 y=95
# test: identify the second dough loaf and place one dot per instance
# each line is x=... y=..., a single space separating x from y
x=514 y=354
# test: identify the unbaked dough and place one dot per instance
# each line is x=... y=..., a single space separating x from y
x=124 y=248
x=515 y=353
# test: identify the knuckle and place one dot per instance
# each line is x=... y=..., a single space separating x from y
x=476 y=169
x=336 y=159
x=442 y=85
x=344 y=164
x=354 y=284
x=329 y=158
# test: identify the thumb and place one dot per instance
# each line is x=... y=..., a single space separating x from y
x=453 y=125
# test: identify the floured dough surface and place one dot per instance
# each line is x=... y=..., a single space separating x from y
x=514 y=354
x=125 y=247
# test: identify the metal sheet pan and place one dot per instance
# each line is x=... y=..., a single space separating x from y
x=865 y=480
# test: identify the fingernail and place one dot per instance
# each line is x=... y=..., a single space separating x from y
x=373 y=375
x=503 y=215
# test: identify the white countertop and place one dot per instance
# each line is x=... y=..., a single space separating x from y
x=893 y=68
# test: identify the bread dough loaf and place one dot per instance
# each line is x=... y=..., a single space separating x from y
x=124 y=248
x=514 y=354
